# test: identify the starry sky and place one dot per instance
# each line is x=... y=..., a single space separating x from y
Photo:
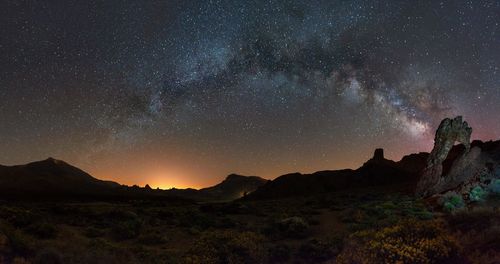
x=182 y=93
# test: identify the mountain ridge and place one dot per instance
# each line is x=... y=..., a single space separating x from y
x=55 y=177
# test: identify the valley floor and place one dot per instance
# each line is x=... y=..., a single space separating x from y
x=335 y=228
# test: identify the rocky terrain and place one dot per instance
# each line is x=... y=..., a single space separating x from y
x=468 y=172
x=438 y=207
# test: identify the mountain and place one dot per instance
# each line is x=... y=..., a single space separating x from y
x=56 y=179
x=52 y=178
x=376 y=172
x=233 y=187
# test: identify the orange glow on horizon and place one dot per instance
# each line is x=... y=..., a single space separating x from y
x=167 y=172
x=162 y=178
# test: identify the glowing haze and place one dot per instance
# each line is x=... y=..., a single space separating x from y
x=182 y=93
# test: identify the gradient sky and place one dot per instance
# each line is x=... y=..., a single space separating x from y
x=182 y=93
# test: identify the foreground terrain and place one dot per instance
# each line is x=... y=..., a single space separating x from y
x=369 y=215
x=369 y=226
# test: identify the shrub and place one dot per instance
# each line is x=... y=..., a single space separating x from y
x=410 y=241
x=152 y=239
x=16 y=242
x=494 y=186
x=477 y=219
x=19 y=260
x=477 y=194
x=226 y=246
x=226 y=222
x=126 y=230
x=197 y=220
x=163 y=214
x=292 y=227
x=452 y=201
x=48 y=256
x=22 y=218
x=93 y=232
x=478 y=232
x=42 y=230
x=316 y=251
x=279 y=253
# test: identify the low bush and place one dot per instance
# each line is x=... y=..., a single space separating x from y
x=494 y=186
x=278 y=253
x=475 y=219
x=315 y=251
x=478 y=194
x=196 y=220
x=126 y=230
x=15 y=242
x=93 y=232
x=292 y=227
x=226 y=246
x=42 y=230
x=21 y=218
x=478 y=232
x=452 y=201
x=152 y=239
x=410 y=241
x=48 y=256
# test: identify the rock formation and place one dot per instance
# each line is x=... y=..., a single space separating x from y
x=378 y=155
x=449 y=132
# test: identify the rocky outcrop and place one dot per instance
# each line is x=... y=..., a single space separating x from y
x=378 y=155
x=449 y=132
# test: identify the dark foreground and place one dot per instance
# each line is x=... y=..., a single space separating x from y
x=367 y=227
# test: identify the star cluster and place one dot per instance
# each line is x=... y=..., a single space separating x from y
x=182 y=93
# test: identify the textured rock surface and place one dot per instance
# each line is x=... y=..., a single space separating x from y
x=449 y=132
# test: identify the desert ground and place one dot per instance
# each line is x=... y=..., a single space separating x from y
x=369 y=226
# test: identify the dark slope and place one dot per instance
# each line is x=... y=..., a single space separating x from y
x=56 y=179
x=51 y=178
x=378 y=171
x=233 y=187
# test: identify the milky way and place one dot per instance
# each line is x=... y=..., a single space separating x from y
x=182 y=93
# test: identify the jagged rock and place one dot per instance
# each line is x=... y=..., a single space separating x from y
x=378 y=155
x=463 y=168
x=449 y=132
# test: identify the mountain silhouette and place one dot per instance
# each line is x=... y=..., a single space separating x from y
x=376 y=172
x=55 y=178
x=232 y=187
x=52 y=178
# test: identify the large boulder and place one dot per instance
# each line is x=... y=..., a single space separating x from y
x=449 y=132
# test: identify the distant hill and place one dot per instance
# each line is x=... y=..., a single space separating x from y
x=233 y=187
x=56 y=179
x=52 y=178
x=377 y=171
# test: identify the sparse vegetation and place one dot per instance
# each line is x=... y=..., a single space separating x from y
x=478 y=194
x=226 y=247
x=452 y=201
x=379 y=228
x=406 y=242
x=291 y=227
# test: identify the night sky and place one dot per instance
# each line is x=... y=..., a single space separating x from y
x=182 y=93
